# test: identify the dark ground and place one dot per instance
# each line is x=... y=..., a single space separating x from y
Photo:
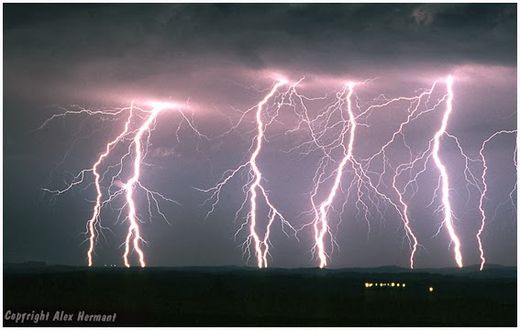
x=234 y=296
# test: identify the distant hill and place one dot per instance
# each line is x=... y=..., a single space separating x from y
x=490 y=271
x=38 y=266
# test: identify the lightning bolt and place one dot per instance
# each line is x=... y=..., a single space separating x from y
x=133 y=229
x=321 y=226
x=483 y=193
x=432 y=152
x=369 y=182
x=254 y=189
x=448 y=213
x=137 y=150
x=93 y=221
x=374 y=179
x=403 y=211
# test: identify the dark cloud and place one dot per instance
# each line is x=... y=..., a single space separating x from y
x=308 y=37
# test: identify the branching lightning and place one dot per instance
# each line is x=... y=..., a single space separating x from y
x=254 y=188
x=137 y=140
x=484 y=191
x=92 y=222
x=367 y=182
x=129 y=186
x=348 y=176
x=448 y=213
x=321 y=226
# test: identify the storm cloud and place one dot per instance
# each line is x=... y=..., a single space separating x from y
x=102 y=45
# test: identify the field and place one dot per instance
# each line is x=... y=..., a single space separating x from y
x=235 y=296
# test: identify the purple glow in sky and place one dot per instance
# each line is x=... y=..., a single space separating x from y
x=411 y=139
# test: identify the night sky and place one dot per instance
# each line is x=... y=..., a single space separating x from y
x=221 y=59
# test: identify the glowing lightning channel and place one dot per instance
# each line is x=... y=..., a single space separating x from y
x=261 y=260
x=256 y=195
x=483 y=194
x=448 y=215
x=403 y=212
x=137 y=150
x=368 y=190
x=321 y=226
x=133 y=229
x=91 y=223
x=254 y=187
